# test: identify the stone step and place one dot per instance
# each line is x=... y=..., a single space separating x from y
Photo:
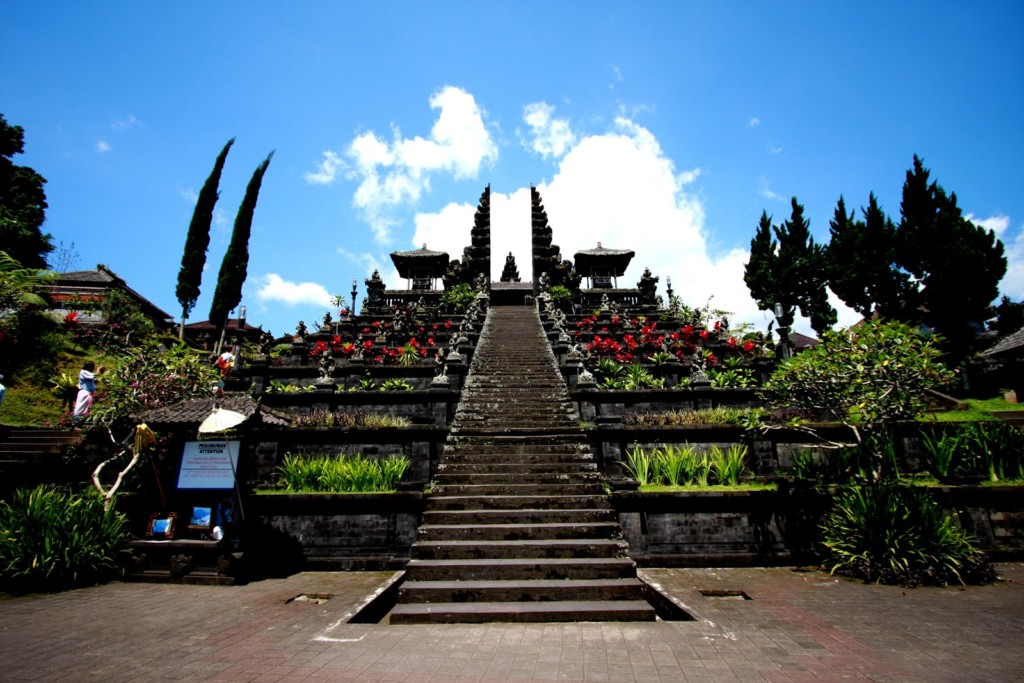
x=508 y=502
x=447 y=478
x=519 y=532
x=534 y=590
x=521 y=569
x=509 y=489
x=521 y=612
x=519 y=516
x=517 y=468
x=522 y=549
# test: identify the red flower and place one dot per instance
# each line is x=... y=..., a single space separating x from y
x=704 y=335
x=718 y=325
x=712 y=359
x=749 y=346
x=732 y=342
x=688 y=330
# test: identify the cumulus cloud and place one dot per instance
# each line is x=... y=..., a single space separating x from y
x=1012 y=284
x=327 y=170
x=765 y=190
x=102 y=146
x=394 y=173
x=123 y=124
x=549 y=137
x=276 y=288
x=754 y=122
x=619 y=188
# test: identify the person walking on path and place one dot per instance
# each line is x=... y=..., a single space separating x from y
x=86 y=390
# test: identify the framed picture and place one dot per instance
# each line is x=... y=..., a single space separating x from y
x=161 y=526
x=202 y=518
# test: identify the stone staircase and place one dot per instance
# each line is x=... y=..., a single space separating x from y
x=519 y=527
x=31 y=456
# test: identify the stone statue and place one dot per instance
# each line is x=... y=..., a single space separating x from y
x=510 y=273
x=301 y=331
x=326 y=325
x=326 y=367
x=481 y=282
x=544 y=282
x=648 y=287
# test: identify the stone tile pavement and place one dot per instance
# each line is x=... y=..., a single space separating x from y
x=795 y=626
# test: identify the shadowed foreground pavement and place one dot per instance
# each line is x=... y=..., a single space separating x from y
x=796 y=626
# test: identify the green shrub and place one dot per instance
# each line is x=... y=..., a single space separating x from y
x=728 y=465
x=330 y=474
x=684 y=466
x=458 y=298
x=891 y=533
x=354 y=420
x=987 y=449
x=395 y=384
x=52 y=540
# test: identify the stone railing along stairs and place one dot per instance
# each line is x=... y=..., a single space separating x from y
x=518 y=527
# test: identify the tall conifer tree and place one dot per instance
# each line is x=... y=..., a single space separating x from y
x=862 y=263
x=233 y=269
x=198 y=239
x=792 y=272
x=957 y=263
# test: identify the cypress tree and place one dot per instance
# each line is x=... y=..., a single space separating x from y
x=198 y=240
x=862 y=262
x=236 y=260
x=957 y=263
x=791 y=272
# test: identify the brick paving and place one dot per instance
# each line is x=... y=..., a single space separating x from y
x=796 y=626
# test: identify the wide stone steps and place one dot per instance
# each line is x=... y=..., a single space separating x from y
x=558 y=489
x=534 y=548
x=521 y=612
x=518 y=526
x=516 y=468
x=562 y=569
x=532 y=501
x=519 y=531
x=533 y=590
x=519 y=516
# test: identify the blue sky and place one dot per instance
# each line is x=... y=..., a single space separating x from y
x=664 y=127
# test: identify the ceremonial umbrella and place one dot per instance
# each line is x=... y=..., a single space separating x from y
x=221 y=420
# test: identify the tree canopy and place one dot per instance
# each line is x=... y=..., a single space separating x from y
x=198 y=239
x=862 y=267
x=22 y=203
x=233 y=269
x=790 y=271
x=957 y=264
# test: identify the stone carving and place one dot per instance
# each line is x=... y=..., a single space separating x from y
x=648 y=287
x=301 y=331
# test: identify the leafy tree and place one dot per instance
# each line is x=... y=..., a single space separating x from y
x=26 y=334
x=236 y=261
x=958 y=264
x=150 y=377
x=790 y=272
x=22 y=203
x=866 y=378
x=198 y=239
x=862 y=262
x=1009 y=316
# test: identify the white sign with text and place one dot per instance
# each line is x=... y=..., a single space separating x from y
x=208 y=465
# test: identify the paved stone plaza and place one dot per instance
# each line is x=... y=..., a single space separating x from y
x=796 y=626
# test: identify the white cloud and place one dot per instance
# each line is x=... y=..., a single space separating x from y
x=102 y=146
x=327 y=169
x=754 y=122
x=997 y=224
x=774 y=149
x=398 y=173
x=619 y=188
x=123 y=124
x=765 y=190
x=276 y=288
x=549 y=137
